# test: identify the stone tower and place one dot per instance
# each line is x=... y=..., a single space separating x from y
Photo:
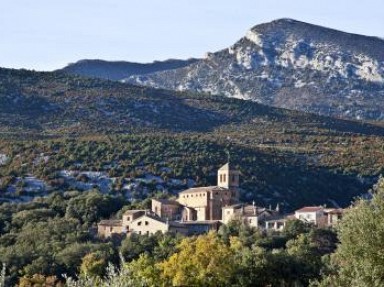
x=227 y=177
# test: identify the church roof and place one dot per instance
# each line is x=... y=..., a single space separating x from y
x=202 y=189
x=225 y=167
x=228 y=167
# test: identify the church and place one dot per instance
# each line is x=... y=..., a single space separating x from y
x=202 y=203
x=196 y=210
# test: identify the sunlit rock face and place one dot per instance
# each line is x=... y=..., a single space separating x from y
x=290 y=64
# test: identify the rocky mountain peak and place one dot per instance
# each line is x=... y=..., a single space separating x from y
x=290 y=64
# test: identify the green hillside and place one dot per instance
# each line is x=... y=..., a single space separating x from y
x=84 y=124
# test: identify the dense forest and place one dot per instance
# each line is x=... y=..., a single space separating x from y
x=49 y=237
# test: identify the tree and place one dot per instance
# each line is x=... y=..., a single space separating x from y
x=359 y=258
x=201 y=261
x=93 y=265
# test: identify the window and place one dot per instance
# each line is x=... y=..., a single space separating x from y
x=233 y=178
x=221 y=178
x=110 y=229
x=225 y=177
x=128 y=218
x=146 y=223
x=139 y=223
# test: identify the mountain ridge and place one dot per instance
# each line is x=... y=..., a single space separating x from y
x=117 y=70
x=289 y=64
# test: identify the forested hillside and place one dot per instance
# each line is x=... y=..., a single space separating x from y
x=52 y=123
x=76 y=150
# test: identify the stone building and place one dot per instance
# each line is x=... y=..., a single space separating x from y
x=334 y=215
x=108 y=228
x=167 y=209
x=149 y=223
x=196 y=210
x=249 y=214
x=206 y=203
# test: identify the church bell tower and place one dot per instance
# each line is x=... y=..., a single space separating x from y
x=228 y=177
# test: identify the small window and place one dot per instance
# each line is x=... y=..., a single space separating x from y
x=225 y=177
x=221 y=178
x=146 y=223
x=128 y=218
x=110 y=229
x=139 y=223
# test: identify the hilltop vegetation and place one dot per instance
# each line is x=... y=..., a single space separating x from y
x=52 y=122
x=58 y=104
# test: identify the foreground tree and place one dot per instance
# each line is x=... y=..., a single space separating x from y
x=201 y=261
x=359 y=258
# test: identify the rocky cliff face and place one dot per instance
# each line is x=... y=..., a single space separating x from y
x=290 y=64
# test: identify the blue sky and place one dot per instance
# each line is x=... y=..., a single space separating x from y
x=48 y=34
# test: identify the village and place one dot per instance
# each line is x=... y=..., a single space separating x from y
x=199 y=210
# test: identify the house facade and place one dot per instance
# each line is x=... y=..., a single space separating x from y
x=109 y=228
x=310 y=214
x=250 y=215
